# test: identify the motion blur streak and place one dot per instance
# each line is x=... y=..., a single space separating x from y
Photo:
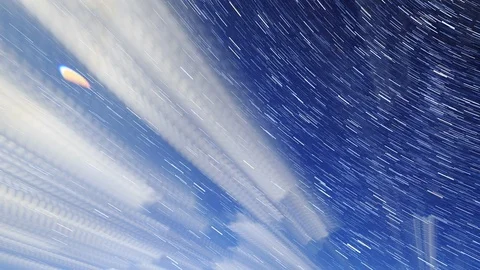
x=160 y=114
x=239 y=134
x=34 y=127
x=198 y=140
x=76 y=195
x=87 y=223
x=119 y=163
x=198 y=91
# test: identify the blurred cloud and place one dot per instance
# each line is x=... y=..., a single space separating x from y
x=86 y=200
x=269 y=244
x=42 y=147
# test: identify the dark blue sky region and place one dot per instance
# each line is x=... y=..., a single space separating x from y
x=380 y=101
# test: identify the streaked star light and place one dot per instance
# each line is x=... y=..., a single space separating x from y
x=228 y=134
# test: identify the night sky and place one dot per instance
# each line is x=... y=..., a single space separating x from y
x=253 y=134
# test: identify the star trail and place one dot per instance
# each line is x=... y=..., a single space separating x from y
x=228 y=134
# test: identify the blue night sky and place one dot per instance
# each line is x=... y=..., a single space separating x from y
x=228 y=134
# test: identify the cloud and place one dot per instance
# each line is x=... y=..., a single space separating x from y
x=29 y=245
x=99 y=50
x=29 y=211
x=197 y=117
x=169 y=56
x=424 y=234
x=278 y=250
x=22 y=262
x=80 y=194
x=213 y=110
x=230 y=265
x=51 y=198
x=64 y=136
x=147 y=266
x=34 y=127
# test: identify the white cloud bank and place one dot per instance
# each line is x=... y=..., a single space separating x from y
x=189 y=114
x=141 y=54
x=65 y=202
x=286 y=256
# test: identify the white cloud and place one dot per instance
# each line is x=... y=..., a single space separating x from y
x=84 y=190
x=230 y=265
x=33 y=126
x=207 y=128
x=63 y=135
x=167 y=54
x=103 y=55
x=29 y=245
x=147 y=266
x=22 y=262
x=38 y=169
x=257 y=235
x=42 y=216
